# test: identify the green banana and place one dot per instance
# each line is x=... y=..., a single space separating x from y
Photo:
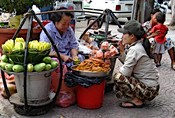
x=40 y=46
x=19 y=40
x=18 y=46
x=5 y=48
x=8 y=45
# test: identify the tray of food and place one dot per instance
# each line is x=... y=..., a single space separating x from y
x=92 y=68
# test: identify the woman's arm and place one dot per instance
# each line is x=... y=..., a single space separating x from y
x=74 y=53
x=64 y=57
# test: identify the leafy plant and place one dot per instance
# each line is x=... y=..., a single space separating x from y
x=22 y=6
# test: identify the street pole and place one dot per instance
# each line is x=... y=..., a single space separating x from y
x=142 y=9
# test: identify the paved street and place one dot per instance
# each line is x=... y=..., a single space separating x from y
x=162 y=106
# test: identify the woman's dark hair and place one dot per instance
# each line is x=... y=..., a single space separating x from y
x=160 y=17
x=153 y=11
x=56 y=17
x=147 y=46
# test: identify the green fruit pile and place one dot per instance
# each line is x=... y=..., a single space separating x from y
x=46 y=64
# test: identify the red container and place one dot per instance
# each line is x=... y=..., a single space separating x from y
x=91 y=97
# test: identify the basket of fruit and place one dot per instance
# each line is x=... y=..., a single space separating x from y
x=14 y=49
x=39 y=76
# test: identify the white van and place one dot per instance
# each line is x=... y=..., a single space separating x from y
x=121 y=8
x=70 y=4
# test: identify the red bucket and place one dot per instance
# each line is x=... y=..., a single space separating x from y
x=91 y=97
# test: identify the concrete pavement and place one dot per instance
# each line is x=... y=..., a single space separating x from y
x=163 y=106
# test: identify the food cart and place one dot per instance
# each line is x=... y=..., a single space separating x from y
x=25 y=106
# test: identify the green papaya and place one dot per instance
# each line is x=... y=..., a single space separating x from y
x=18 y=68
x=29 y=67
x=39 y=67
x=8 y=67
x=54 y=64
x=48 y=67
x=47 y=60
x=2 y=64
x=4 y=58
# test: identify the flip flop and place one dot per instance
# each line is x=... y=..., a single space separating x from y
x=158 y=65
x=133 y=105
x=173 y=67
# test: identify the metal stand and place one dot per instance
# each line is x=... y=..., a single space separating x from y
x=105 y=16
x=26 y=108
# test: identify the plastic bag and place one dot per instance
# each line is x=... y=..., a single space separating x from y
x=72 y=80
x=65 y=99
x=66 y=96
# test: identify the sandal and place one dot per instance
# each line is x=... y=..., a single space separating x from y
x=173 y=67
x=158 y=65
x=133 y=105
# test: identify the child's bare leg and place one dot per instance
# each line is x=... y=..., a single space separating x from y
x=159 y=57
x=155 y=58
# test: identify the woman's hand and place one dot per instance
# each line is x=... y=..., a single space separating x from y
x=66 y=58
x=76 y=60
x=121 y=47
x=75 y=57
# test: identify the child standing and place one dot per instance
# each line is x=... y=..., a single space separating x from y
x=160 y=39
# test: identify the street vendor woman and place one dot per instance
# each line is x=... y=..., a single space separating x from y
x=137 y=79
x=63 y=36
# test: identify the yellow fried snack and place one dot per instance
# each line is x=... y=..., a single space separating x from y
x=93 y=65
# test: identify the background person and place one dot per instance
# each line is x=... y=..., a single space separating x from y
x=95 y=26
x=137 y=78
x=169 y=45
x=160 y=39
x=87 y=40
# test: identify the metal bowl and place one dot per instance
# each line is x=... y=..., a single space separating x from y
x=89 y=73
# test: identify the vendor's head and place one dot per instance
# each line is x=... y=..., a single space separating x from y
x=132 y=31
x=62 y=19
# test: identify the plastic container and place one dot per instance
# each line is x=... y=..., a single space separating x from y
x=38 y=86
x=91 y=97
